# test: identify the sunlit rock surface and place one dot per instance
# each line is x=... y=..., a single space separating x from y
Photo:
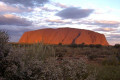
x=64 y=36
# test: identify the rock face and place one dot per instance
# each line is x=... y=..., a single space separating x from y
x=64 y=36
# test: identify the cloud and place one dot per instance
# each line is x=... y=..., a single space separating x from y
x=105 y=29
x=58 y=21
x=115 y=35
x=113 y=41
x=26 y=3
x=59 y=5
x=9 y=19
x=114 y=38
x=108 y=22
x=74 y=13
x=100 y=23
x=15 y=32
x=104 y=23
x=48 y=9
x=8 y=8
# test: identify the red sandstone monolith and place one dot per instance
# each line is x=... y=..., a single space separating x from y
x=64 y=36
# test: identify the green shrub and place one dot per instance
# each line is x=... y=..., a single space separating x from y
x=39 y=51
x=111 y=60
x=60 y=44
x=98 y=45
x=95 y=45
x=91 y=45
x=73 y=45
x=92 y=56
x=108 y=73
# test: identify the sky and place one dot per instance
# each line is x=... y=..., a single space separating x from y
x=19 y=16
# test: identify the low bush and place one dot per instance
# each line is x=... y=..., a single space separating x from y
x=73 y=45
x=17 y=67
x=60 y=44
x=108 y=73
x=92 y=56
x=111 y=60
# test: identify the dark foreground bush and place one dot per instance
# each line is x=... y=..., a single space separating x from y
x=17 y=67
x=117 y=46
x=48 y=70
x=4 y=48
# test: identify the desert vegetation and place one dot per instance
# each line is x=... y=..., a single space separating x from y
x=58 y=62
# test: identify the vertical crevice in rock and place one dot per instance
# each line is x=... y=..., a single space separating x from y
x=73 y=42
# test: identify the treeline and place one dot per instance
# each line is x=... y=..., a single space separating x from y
x=82 y=45
x=90 y=45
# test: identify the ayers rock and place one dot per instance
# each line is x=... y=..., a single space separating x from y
x=64 y=36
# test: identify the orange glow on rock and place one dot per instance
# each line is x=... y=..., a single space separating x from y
x=64 y=36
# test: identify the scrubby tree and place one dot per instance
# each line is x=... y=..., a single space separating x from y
x=4 y=48
x=117 y=45
x=60 y=44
